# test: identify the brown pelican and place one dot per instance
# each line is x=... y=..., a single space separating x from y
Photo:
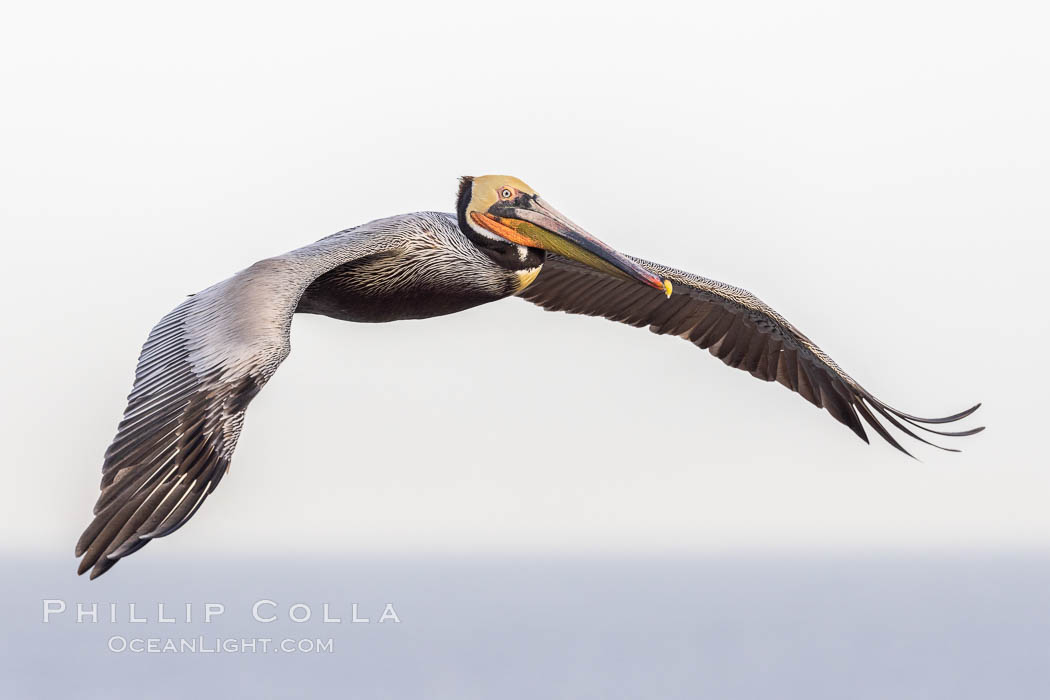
x=204 y=362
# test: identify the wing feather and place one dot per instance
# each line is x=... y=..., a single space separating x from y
x=736 y=327
x=199 y=369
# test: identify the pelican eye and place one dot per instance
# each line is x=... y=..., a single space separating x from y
x=506 y=193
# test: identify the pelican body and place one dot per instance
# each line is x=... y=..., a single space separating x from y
x=430 y=264
x=206 y=360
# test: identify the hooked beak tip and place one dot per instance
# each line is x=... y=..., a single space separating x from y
x=655 y=281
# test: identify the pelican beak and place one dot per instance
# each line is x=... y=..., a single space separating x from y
x=528 y=220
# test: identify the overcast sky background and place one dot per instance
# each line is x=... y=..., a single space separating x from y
x=879 y=174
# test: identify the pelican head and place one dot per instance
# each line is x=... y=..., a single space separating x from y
x=503 y=209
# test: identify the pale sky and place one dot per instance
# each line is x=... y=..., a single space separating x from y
x=877 y=174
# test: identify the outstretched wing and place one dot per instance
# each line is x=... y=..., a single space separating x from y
x=200 y=367
x=736 y=327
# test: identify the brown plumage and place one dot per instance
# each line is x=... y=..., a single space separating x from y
x=734 y=326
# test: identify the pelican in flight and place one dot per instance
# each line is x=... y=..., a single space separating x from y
x=205 y=361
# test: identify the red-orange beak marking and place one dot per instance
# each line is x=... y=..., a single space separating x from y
x=504 y=228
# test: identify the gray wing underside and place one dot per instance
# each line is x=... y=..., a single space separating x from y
x=200 y=367
x=734 y=326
